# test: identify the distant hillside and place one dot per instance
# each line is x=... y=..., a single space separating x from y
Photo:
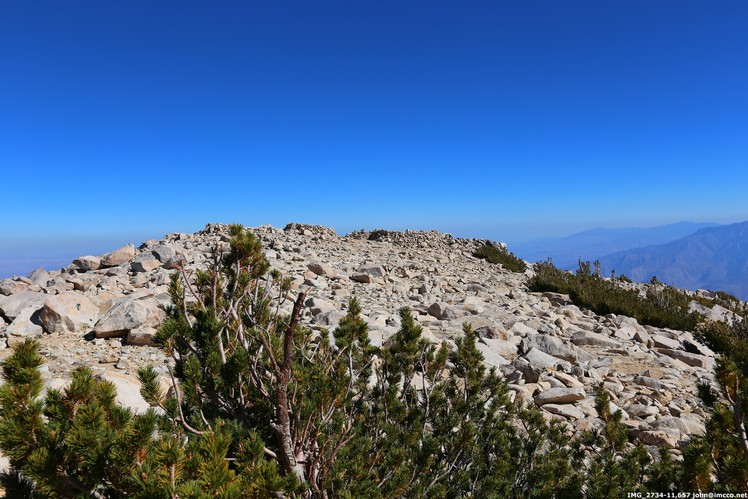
x=592 y=244
x=714 y=258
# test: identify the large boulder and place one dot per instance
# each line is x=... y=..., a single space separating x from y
x=473 y=305
x=145 y=262
x=88 y=262
x=320 y=268
x=318 y=306
x=120 y=256
x=587 y=338
x=641 y=410
x=68 y=312
x=535 y=362
x=491 y=357
x=684 y=426
x=169 y=256
x=650 y=382
x=17 y=284
x=501 y=347
x=693 y=346
x=642 y=336
x=692 y=359
x=125 y=315
x=25 y=325
x=549 y=344
x=367 y=275
x=520 y=329
x=128 y=391
x=542 y=360
x=663 y=341
x=560 y=395
x=141 y=336
x=11 y=306
x=667 y=437
x=39 y=277
x=373 y=270
x=443 y=311
x=164 y=252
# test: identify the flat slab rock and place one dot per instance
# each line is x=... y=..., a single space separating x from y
x=565 y=410
x=560 y=396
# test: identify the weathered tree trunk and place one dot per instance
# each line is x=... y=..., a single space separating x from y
x=282 y=426
x=739 y=417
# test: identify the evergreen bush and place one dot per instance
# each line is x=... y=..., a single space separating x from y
x=501 y=255
x=662 y=306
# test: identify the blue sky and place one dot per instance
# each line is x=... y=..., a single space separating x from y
x=123 y=121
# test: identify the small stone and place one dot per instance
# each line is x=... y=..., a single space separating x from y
x=374 y=271
x=362 y=278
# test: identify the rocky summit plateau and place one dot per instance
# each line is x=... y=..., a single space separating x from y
x=102 y=311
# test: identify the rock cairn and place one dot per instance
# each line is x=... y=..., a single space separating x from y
x=102 y=311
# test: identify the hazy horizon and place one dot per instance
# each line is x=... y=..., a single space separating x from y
x=508 y=121
x=23 y=257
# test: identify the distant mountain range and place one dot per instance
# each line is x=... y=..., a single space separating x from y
x=713 y=258
x=596 y=243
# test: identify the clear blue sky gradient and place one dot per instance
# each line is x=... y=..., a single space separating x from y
x=127 y=120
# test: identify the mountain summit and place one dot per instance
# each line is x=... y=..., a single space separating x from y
x=540 y=341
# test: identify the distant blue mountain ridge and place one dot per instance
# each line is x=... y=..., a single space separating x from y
x=713 y=258
x=596 y=243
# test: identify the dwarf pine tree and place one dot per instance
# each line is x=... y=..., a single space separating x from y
x=76 y=442
x=718 y=461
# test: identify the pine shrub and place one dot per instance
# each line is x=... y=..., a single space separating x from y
x=501 y=255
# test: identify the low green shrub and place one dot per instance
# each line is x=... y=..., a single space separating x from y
x=663 y=306
x=499 y=254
